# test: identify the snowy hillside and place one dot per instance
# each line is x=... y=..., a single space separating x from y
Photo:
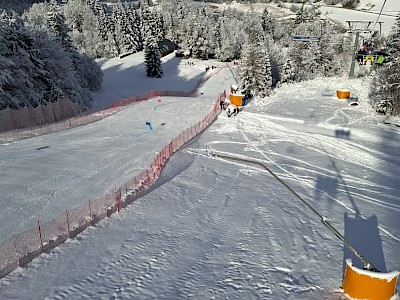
x=367 y=10
x=219 y=229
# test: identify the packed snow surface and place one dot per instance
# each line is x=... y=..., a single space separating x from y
x=211 y=228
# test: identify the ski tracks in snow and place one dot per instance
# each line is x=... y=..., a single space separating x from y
x=134 y=273
x=261 y=125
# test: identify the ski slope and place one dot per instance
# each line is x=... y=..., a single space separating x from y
x=43 y=176
x=213 y=228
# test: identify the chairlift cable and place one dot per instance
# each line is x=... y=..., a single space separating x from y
x=377 y=19
x=326 y=16
x=367 y=264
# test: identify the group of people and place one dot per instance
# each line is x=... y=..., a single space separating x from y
x=368 y=52
x=230 y=108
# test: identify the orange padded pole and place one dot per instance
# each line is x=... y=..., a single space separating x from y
x=363 y=284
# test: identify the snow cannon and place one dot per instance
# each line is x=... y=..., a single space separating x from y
x=343 y=94
x=364 y=284
x=235 y=97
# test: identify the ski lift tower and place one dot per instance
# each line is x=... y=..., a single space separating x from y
x=357 y=27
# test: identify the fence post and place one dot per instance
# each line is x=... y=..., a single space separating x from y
x=105 y=205
x=90 y=212
x=66 y=213
x=40 y=235
x=15 y=250
x=118 y=199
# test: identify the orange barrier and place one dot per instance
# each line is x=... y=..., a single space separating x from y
x=236 y=99
x=343 y=94
x=362 y=284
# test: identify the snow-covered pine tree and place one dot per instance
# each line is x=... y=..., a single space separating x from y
x=5 y=76
x=226 y=51
x=393 y=40
x=311 y=60
x=56 y=22
x=288 y=72
x=255 y=70
x=124 y=33
x=152 y=22
x=25 y=68
x=152 y=57
x=267 y=23
x=160 y=30
x=108 y=46
x=134 y=20
x=277 y=57
x=6 y=67
x=111 y=45
x=84 y=28
x=387 y=84
x=179 y=22
x=198 y=41
x=306 y=56
x=350 y=3
x=63 y=81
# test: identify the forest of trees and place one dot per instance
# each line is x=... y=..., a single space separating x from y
x=386 y=87
x=48 y=51
x=345 y=3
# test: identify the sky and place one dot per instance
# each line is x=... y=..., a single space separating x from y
x=209 y=228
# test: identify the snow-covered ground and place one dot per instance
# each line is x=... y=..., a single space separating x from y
x=42 y=177
x=211 y=228
x=367 y=10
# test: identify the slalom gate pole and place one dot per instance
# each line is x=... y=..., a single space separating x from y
x=368 y=264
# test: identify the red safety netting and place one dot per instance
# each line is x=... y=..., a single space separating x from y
x=24 y=247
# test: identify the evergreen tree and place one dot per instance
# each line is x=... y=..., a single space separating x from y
x=152 y=58
x=180 y=20
x=134 y=20
x=34 y=77
x=387 y=84
x=152 y=24
x=198 y=41
x=393 y=40
x=267 y=23
x=26 y=69
x=124 y=33
x=56 y=23
x=288 y=72
x=84 y=27
x=227 y=50
x=6 y=67
x=255 y=70
x=108 y=46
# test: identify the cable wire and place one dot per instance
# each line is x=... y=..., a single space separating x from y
x=384 y=2
x=367 y=264
x=333 y=21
